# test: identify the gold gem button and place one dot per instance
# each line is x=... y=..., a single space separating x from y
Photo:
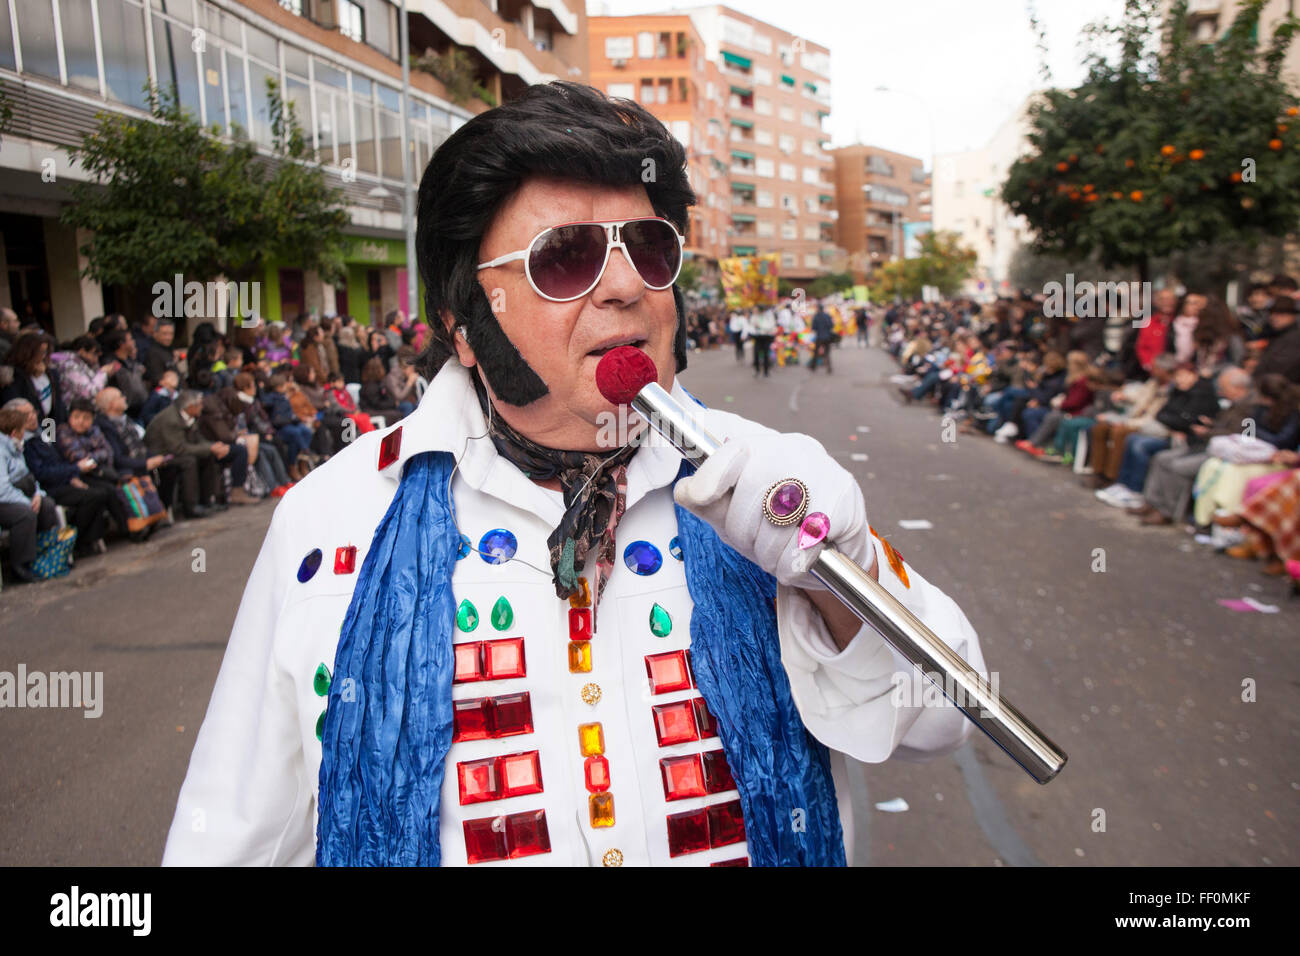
x=591 y=694
x=613 y=858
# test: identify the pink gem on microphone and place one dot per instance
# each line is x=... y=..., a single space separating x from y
x=813 y=531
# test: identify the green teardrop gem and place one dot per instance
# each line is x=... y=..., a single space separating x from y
x=503 y=615
x=466 y=616
x=320 y=725
x=661 y=624
x=321 y=682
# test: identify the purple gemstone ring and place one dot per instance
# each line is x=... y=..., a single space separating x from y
x=785 y=502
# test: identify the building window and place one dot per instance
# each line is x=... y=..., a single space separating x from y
x=766 y=229
x=788 y=260
x=786 y=143
x=626 y=91
x=765 y=167
x=763 y=137
x=352 y=21
x=645 y=46
x=765 y=199
x=787 y=114
x=762 y=107
x=762 y=76
x=788 y=171
x=293 y=6
x=811 y=260
x=811 y=175
x=789 y=230
x=789 y=202
x=812 y=232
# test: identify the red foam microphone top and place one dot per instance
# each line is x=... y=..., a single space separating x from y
x=624 y=371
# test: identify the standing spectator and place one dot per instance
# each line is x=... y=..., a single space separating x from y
x=823 y=327
x=311 y=352
x=158 y=357
x=737 y=327
x=276 y=348
x=380 y=349
x=1144 y=343
x=351 y=357
x=34 y=380
x=9 y=327
x=129 y=377
x=142 y=332
x=330 y=327
x=1253 y=316
x=763 y=331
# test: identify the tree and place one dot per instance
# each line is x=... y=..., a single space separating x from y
x=1168 y=144
x=943 y=263
x=170 y=197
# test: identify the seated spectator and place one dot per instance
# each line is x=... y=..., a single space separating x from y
x=218 y=424
x=1270 y=518
x=1282 y=355
x=1135 y=407
x=1075 y=402
x=79 y=440
x=289 y=428
x=175 y=431
x=1253 y=316
x=1042 y=385
x=339 y=394
x=126 y=437
x=226 y=368
x=80 y=374
x=158 y=356
x=25 y=509
x=87 y=507
x=277 y=347
x=402 y=380
x=34 y=380
x=1167 y=489
x=1192 y=401
x=249 y=418
x=375 y=398
x=1220 y=484
x=166 y=392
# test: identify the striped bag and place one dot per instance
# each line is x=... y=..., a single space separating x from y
x=143 y=505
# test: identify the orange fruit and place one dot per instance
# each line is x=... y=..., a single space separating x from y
x=1117 y=195
x=1088 y=188
x=1129 y=163
x=1293 y=111
x=1135 y=195
x=1274 y=144
x=1101 y=147
x=1282 y=127
x=1197 y=154
x=1235 y=177
x=1166 y=150
x=1062 y=167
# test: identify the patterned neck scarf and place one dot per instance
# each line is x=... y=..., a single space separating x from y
x=595 y=497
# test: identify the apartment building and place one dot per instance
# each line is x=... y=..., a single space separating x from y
x=758 y=98
x=659 y=62
x=877 y=191
x=63 y=61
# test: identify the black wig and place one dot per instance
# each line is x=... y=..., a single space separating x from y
x=563 y=130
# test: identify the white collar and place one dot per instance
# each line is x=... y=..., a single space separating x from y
x=449 y=419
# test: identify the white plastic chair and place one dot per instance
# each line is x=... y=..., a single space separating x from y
x=354 y=389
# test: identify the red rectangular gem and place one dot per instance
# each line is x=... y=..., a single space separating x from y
x=579 y=623
x=478 y=780
x=526 y=834
x=471 y=719
x=739 y=861
x=511 y=714
x=683 y=777
x=726 y=823
x=504 y=658
x=688 y=832
x=667 y=672
x=469 y=666
x=717 y=775
x=485 y=839
x=704 y=719
x=345 y=559
x=674 y=723
x=389 y=447
x=596 y=770
x=520 y=774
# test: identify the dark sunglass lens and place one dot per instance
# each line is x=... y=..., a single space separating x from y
x=655 y=252
x=565 y=261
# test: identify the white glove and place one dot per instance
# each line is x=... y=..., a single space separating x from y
x=728 y=492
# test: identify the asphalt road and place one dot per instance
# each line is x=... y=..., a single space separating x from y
x=1135 y=671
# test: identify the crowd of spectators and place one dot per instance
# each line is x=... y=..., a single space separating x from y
x=230 y=419
x=1183 y=414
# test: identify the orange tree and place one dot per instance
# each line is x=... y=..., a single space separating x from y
x=1168 y=144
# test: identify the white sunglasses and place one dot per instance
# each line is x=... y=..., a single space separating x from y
x=565 y=262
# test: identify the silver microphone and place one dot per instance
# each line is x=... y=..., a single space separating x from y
x=626 y=376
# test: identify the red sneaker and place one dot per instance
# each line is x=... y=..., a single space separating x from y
x=279 y=492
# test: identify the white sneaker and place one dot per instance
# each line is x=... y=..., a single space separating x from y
x=1006 y=432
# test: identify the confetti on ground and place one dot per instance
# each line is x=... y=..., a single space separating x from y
x=1247 y=605
x=730 y=398
x=858 y=457
x=939 y=477
x=915 y=524
x=897 y=805
x=853 y=438
x=864 y=428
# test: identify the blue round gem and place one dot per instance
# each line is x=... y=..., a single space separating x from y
x=675 y=547
x=464 y=549
x=310 y=565
x=642 y=557
x=498 y=546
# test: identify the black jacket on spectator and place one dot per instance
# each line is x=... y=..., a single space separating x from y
x=156 y=361
x=350 y=362
x=1049 y=387
x=1282 y=355
x=51 y=469
x=1182 y=410
x=22 y=387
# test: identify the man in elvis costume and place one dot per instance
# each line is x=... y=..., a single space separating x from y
x=483 y=636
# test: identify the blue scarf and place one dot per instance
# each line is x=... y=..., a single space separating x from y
x=388 y=722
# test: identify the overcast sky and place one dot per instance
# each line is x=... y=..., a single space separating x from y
x=969 y=63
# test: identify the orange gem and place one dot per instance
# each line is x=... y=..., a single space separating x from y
x=579 y=657
x=583 y=596
x=591 y=739
x=601 y=806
